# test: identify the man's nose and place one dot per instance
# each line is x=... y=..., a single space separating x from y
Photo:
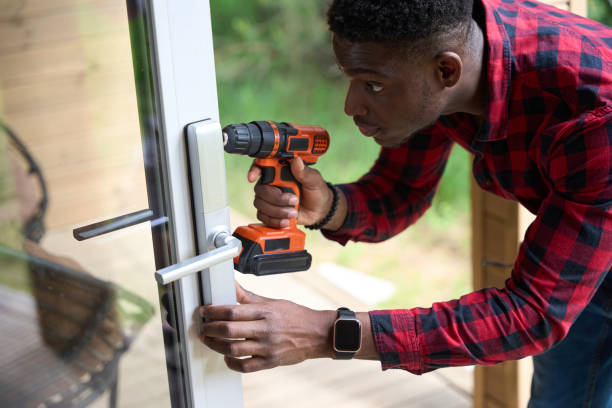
x=353 y=104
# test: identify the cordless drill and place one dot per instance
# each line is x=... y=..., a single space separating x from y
x=265 y=250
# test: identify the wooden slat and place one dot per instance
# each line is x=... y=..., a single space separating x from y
x=476 y=194
x=495 y=277
x=67 y=85
x=491 y=402
x=500 y=383
x=79 y=200
x=495 y=238
x=71 y=58
x=500 y=239
x=72 y=90
x=498 y=207
x=71 y=23
x=19 y=10
x=65 y=123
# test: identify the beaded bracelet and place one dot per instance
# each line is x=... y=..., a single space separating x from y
x=330 y=214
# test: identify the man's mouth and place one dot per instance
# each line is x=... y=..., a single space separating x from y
x=366 y=129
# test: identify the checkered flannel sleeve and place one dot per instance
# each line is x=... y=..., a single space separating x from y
x=396 y=191
x=565 y=257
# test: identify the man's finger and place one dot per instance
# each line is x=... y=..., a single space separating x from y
x=275 y=211
x=254 y=173
x=304 y=174
x=249 y=365
x=232 y=330
x=244 y=312
x=272 y=222
x=233 y=348
x=273 y=195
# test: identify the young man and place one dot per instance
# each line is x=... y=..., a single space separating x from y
x=526 y=88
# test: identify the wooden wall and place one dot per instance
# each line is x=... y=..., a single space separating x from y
x=67 y=90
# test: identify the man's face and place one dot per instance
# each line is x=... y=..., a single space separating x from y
x=390 y=96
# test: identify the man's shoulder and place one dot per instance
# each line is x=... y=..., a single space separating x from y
x=544 y=22
x=558 y=59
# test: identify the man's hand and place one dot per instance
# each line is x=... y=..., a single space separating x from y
x=266 y=333
x=274 y=208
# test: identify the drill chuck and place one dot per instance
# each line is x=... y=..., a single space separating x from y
x=255 y=139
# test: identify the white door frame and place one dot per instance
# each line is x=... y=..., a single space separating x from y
x=184 y=76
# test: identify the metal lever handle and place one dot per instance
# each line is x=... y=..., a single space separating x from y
x=227 y=247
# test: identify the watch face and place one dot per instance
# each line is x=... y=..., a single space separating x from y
x=347 y=336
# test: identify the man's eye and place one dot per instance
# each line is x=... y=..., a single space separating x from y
x=374 y=87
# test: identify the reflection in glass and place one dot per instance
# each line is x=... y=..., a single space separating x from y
x=65 y=331
x=82 y=323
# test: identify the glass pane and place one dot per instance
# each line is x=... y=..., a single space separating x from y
x=81 y=320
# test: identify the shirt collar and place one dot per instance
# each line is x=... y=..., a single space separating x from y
x=499 y=59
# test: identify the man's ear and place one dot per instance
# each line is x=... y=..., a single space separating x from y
x=448 y=68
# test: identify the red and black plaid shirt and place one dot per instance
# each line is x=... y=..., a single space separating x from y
x=547 y=144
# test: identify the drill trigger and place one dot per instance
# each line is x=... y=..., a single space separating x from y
x=267 y=174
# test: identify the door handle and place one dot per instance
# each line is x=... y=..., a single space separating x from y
x=117 y=223
x=226 y=247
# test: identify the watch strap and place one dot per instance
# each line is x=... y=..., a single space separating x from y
x=346 y=313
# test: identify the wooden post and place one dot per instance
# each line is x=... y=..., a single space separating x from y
x=495 y=241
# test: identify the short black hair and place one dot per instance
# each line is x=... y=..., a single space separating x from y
x=396 y=22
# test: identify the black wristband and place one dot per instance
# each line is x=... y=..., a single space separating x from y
x=330 y=214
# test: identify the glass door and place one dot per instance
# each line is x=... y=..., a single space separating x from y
x=95 y=97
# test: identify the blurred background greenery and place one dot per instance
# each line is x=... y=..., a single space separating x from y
x=274 y=62
x=600 y=10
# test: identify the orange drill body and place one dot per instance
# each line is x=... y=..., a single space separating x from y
x=275 y=250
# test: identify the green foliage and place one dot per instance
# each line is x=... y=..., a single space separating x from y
x=600 y=10
x=255 y=39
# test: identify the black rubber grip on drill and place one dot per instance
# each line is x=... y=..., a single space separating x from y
x=252 y=260
x=267 y=175
x=250 y=249
x=272 y=264
x=286 y=175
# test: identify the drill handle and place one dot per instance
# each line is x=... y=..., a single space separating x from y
x=277 y=173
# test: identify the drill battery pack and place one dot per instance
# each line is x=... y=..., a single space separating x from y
x=269 y=251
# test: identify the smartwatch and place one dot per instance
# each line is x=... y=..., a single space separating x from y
x=347 y=334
